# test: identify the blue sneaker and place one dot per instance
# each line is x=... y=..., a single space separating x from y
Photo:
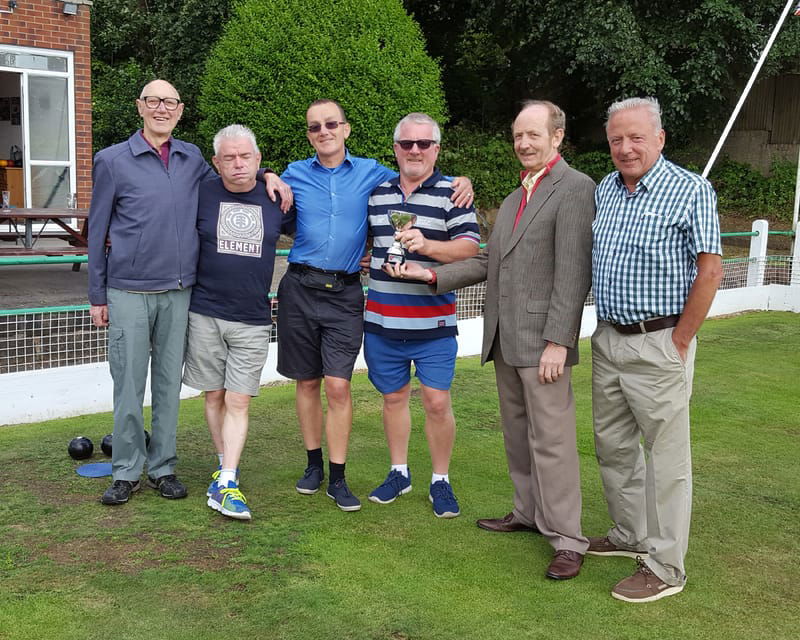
x=395 y=485
x=213 y=486
x=311 y=480
x=444 y=500
x=229 y=501
x=340 y=493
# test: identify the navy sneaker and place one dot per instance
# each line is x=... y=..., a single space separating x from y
x=229 y=501
x=311 y=480
x=444 y=500
x=395 y=485
x=340 y=493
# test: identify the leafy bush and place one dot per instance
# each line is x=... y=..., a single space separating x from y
x=486 y=158
x=595 y=164
x=742 y=190
x=134 y=42
x=114 y=93
x=275 y=57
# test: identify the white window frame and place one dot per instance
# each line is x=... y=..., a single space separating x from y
x=25 y=74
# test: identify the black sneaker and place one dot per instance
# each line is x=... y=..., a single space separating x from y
x=312 y=478
x=340 y=493
x=168 y=486
x=120 y=492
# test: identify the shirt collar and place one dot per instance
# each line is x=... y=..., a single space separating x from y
x=140 y=145
x=649 y=179
x=347 y=160
x=528 y=180
x=430 y=181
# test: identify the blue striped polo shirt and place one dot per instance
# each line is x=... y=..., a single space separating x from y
x=405 y=309
x=644 y=256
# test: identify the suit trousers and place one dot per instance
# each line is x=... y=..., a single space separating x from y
x=541 y=450
x=640 y=402
x=146 y=328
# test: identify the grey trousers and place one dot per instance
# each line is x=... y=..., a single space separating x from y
x=640 y=402
x=541 y=450
x=146 y=328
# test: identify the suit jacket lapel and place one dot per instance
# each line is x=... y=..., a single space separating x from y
x=542 y=194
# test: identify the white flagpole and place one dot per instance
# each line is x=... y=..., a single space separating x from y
x=750 y=83
x=796 y=197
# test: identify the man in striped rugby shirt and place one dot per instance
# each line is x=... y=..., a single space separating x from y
x=656 y=265
x=405 y=321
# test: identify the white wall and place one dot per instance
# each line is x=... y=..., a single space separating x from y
x=32 y=396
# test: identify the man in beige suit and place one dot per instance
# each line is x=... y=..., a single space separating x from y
x=537 y=269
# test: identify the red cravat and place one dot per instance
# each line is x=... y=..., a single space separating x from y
x=524 y=200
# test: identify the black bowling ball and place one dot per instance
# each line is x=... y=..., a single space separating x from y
x=80 y=448
x=105 y=444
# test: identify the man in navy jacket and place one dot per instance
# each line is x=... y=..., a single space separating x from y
x=143 y=250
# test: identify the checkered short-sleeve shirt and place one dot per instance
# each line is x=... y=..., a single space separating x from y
x=644 y=255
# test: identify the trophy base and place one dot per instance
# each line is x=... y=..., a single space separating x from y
x=394 y=259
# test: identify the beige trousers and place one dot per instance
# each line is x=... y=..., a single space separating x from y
x=640 y=402
x=541 y=450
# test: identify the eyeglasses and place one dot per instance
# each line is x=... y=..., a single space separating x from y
x=153 y=102
x=330 y=126
x=408 y=145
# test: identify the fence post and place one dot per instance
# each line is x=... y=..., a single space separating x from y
x=795 y=279
x=758 y=254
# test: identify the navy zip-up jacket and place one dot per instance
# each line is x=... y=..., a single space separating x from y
x=148 y=212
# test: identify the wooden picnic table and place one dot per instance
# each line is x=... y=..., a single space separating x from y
x=59 y=216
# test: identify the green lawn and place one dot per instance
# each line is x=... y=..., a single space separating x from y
x=152 y=569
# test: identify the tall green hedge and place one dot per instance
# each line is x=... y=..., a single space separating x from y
x=277 y=56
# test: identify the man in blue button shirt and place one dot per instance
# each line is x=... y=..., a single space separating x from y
x=656 y=265
x=321 y=301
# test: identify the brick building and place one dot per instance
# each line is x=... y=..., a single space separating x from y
x=45 y=101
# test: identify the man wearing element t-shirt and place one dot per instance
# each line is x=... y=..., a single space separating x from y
x=229 y=315
x=404 y=321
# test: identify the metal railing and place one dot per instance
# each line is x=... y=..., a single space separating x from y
x=48 y=337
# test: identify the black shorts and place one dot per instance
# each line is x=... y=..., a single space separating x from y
x=319 y=332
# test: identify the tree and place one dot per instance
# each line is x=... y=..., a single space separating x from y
x=277 y=56
x=694 y=55
x=135 y=41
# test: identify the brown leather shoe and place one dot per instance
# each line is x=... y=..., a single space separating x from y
x=564 y=565
x=507 y=524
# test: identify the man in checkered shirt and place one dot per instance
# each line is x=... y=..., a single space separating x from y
x=656 y=265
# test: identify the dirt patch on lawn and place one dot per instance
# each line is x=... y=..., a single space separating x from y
x=140 y=551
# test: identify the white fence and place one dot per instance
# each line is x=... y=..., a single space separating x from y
x=39 y=379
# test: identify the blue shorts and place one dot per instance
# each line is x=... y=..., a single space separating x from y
x=389 y=361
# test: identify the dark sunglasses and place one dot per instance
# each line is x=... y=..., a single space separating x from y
x=330 y=126
x=407 y=145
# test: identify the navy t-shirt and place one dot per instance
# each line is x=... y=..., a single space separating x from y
x=238 y=233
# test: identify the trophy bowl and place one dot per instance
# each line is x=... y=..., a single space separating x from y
x=400 y=221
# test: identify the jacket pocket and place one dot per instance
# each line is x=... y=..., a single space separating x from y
x=538 y=306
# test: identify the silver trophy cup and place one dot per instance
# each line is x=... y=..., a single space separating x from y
x=400 y=221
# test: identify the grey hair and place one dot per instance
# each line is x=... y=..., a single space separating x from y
x=649 y=103
x=419 y=118
x=234 y=131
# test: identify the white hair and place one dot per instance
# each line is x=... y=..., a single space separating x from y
x=234 y=131
x=419 y=118
x=649 y=103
